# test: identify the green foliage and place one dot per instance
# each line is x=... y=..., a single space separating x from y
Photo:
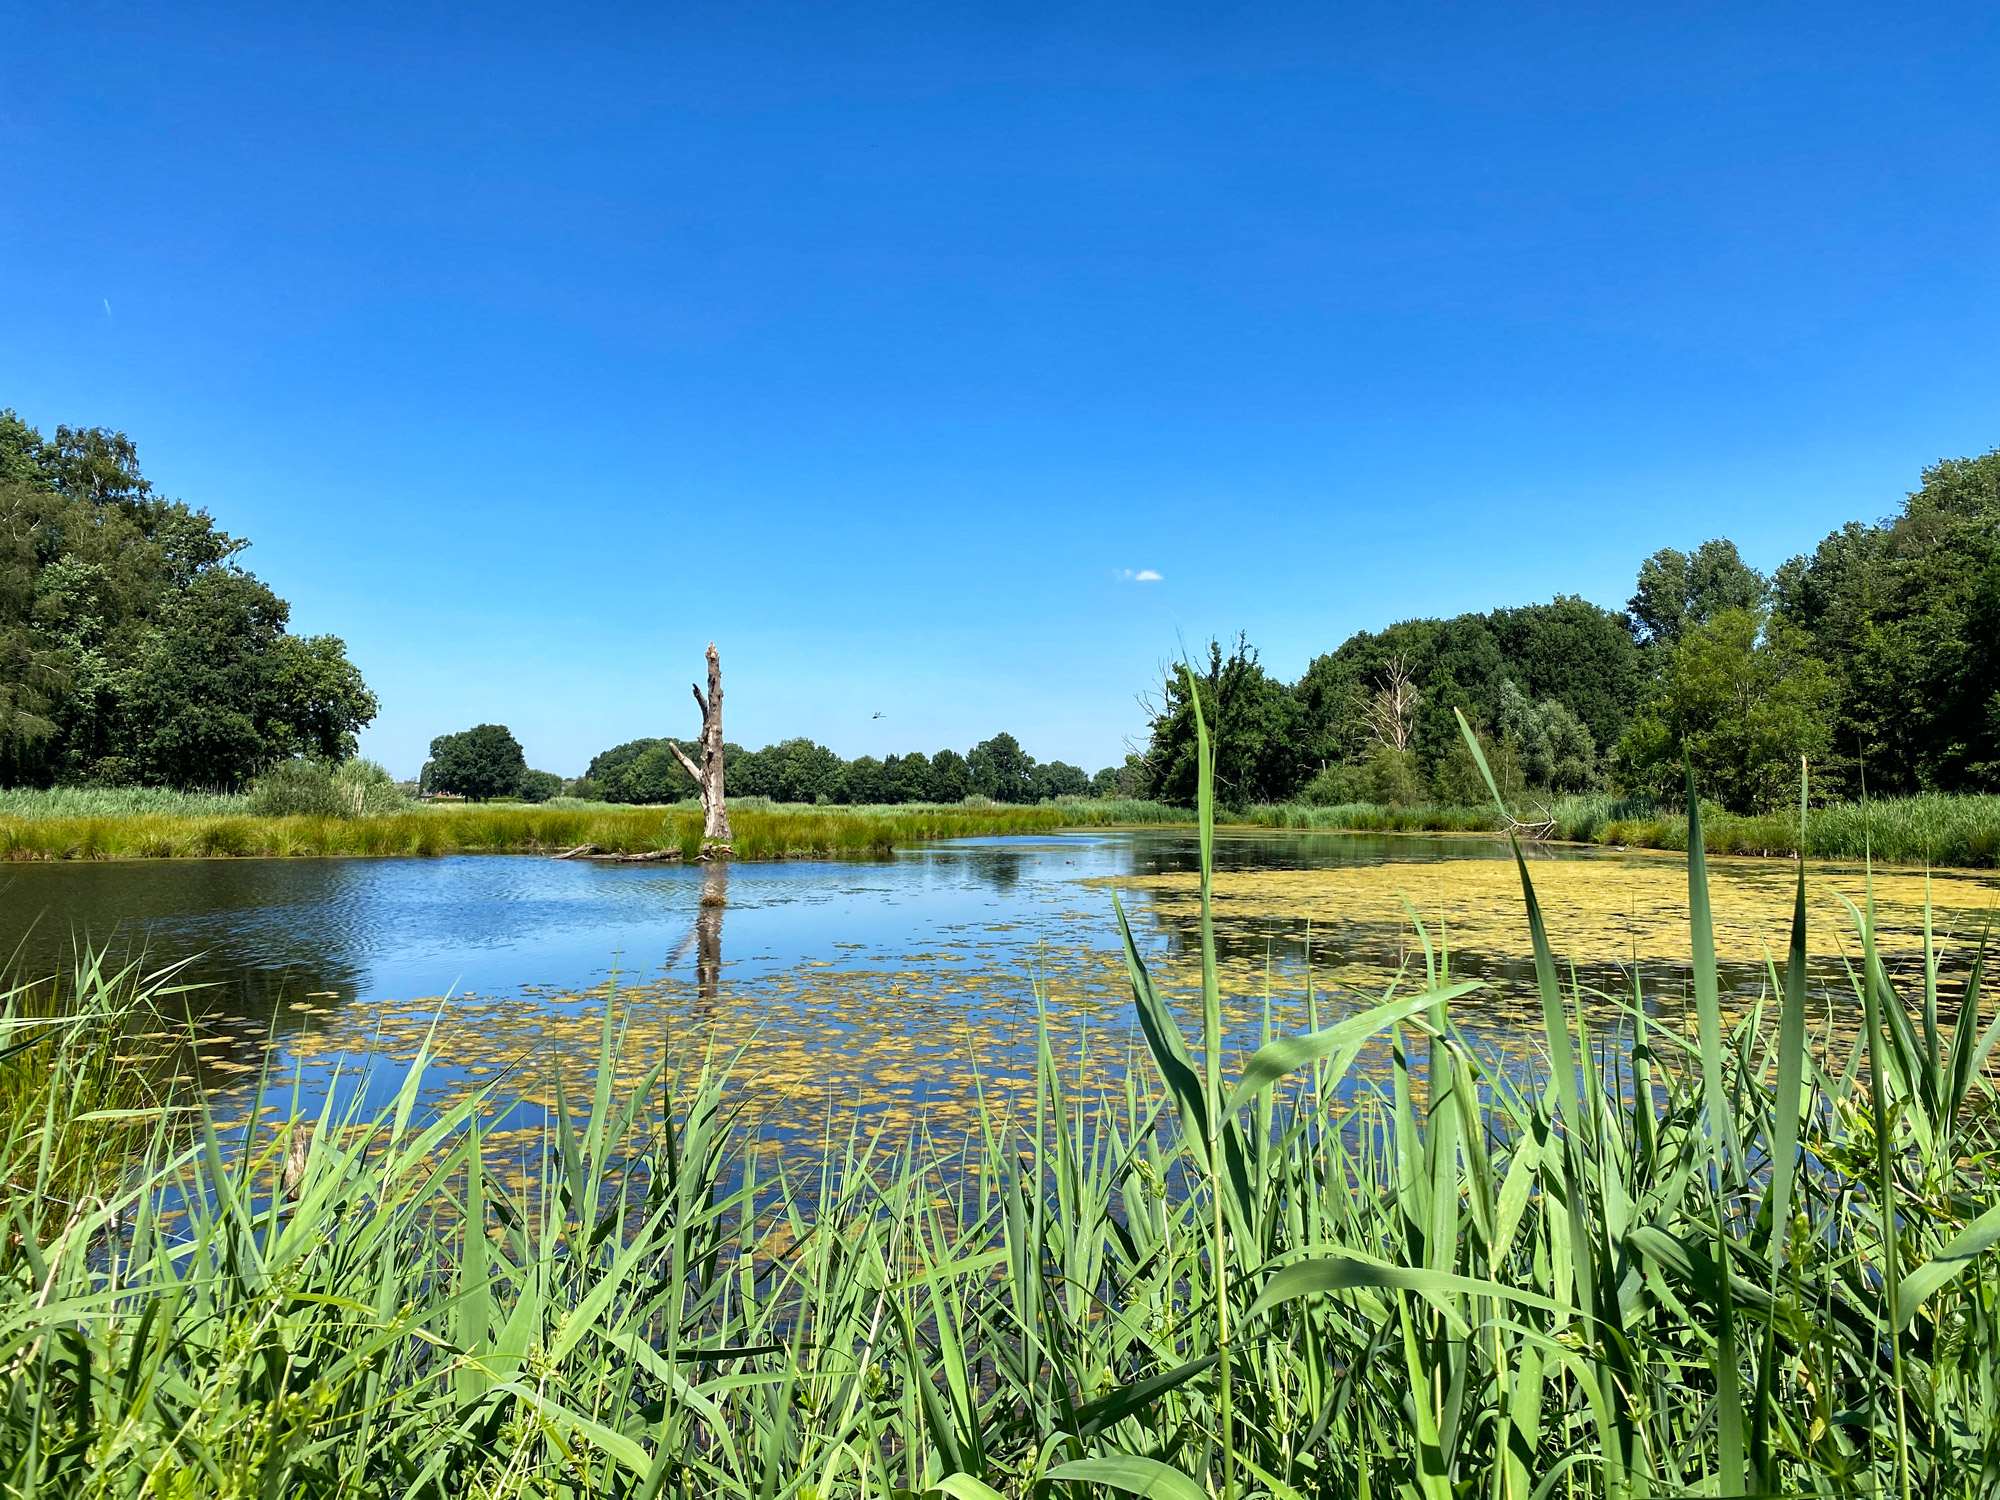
x=1907 y=615
x=1391 y=777
x=313 y=789
x=643 y=771
x=478 y=763
x=1740 y=702
x=296 y=789
x=1549 y=743
x=761 y=830
x=1678 y=590
x=1364 y=1260
x=1253 y=722
x=133 y=648
x=538 y=786
x=1334 y=786
x=799 y=772
x=365 y=789
x=117 y=802
x=1567 y=650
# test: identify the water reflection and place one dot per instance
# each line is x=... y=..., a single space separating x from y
x=708 y=931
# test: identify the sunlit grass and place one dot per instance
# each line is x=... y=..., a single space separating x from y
x=522 y=828
x=1958 y=830
x=1745 y=1259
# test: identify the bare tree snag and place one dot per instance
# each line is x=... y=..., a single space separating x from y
x=715 y=833
x=1391 y=712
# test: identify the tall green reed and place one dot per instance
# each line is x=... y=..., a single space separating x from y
x=1747 y=1260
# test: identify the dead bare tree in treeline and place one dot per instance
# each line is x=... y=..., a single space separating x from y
x=715 y=834
x=1391 y=713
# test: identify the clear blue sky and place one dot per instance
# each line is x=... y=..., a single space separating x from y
x=534 y=347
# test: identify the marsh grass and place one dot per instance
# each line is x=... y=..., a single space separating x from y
x=524 y=828
x=117 y=802
x=1959 y=831
x=1726 y=1262
x=87 y=1079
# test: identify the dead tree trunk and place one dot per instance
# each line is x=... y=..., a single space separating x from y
x=708 y=775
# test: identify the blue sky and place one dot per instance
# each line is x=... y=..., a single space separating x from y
x=534 y=347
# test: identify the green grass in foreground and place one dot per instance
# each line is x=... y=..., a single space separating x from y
x=1714 y=1264
x=521 y=828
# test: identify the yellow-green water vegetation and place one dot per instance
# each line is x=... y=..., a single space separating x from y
x=1732 y=1259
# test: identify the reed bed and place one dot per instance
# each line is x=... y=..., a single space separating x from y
x=1713 y=1264
x=1960 y=831
x=522 y=828
x=116 y=802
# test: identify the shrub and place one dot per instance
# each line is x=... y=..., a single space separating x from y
x=365 y=789
x=297 y=789
x=539 y=786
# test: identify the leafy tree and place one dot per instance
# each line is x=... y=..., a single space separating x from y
x=132 y=646
x=1740 y=701
x=909 y=777
x=538 y=786
x=1907 y=616
x=794 y=770
x=1051 y=779
x=1392 y=777
x=1678 y=590
x=1568 y=650
x=1000 y=769
x=867 y=781
x=482 y=762
x=638 y=771
x=1252 y=722
x=1547 y=741
x=951 y=777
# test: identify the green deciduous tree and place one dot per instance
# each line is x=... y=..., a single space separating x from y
x=481 y=762
x=1253 y=724
x=1907 y=615
x=1678 y=590
x=132 y=646
x=1739 y=700
x=1001 y=769
x=1549 y=743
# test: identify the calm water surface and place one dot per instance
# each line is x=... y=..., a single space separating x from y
x=259 y=931
x=847 y=968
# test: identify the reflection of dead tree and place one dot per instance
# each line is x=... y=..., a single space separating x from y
x=708 y=775
x=1392 y=711
x=708 y=930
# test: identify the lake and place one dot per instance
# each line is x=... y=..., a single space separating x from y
x=906 y=982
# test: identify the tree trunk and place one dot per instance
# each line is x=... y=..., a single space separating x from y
x=708 y=775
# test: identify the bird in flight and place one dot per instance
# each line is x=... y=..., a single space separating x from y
x=878 y=714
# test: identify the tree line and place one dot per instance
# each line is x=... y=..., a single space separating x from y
x=134 y=648
x=798 y=770
x=1876 y=657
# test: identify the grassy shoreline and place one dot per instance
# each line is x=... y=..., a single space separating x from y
x=1683 y=1262
x=760 y=833
x=1961 y=832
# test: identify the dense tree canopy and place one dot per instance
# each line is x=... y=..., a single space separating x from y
x=133 y=647
x=1877 y=657
x=798 y=770
x=1906 y=615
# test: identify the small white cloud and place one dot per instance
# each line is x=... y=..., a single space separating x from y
x=1144 y=575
